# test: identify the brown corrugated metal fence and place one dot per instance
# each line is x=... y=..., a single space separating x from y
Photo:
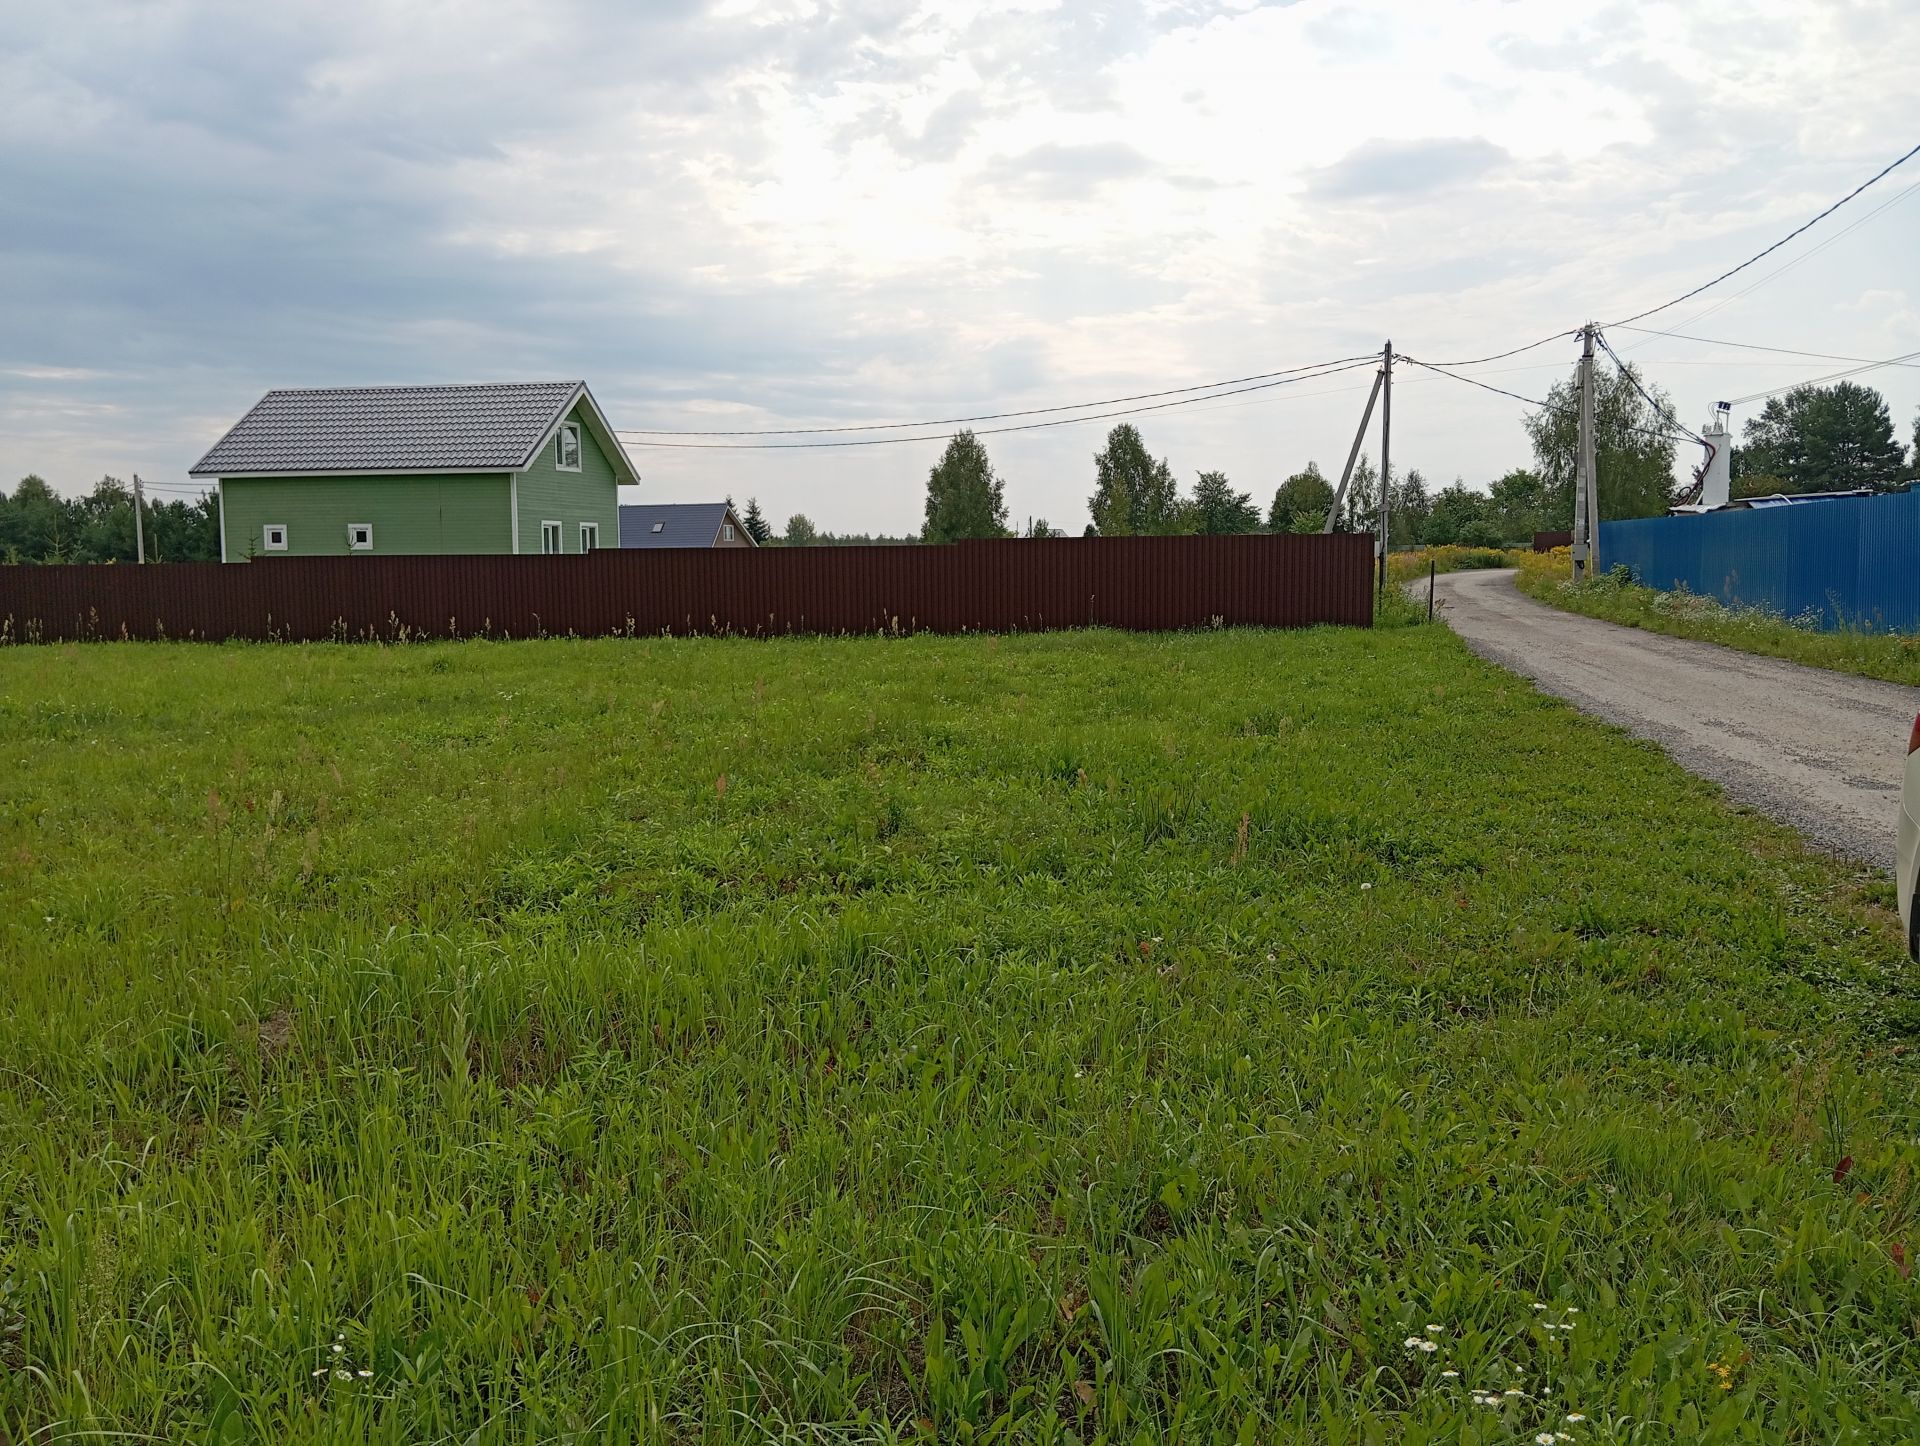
x=1142 y=583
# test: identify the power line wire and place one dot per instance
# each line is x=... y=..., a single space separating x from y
x=1659 y=411
x=1685 y=295
x=989 y=416
x=1801 y=259
x=1534 y=401
x=1472 y=381
x=1515 y=351
x=1329 y=370
x=1754 y=346
x=1830 y=377
x=1502 y=355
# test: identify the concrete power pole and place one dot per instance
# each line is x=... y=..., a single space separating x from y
x=1584 y=529
x=139 y=526
x=1587 y=458
x=1346 y=473
x=1386 y=437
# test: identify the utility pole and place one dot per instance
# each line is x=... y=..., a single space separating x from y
x=1583 y=528
x=139 y=527
x=1588 y=460
x=1386 y=468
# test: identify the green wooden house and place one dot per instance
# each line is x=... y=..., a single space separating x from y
x=502 y=467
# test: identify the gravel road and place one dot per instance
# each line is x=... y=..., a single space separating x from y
x=1820 y=751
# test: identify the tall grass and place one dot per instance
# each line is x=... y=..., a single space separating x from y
x=1416 y=562
x=1853 y=648
x=1077 y=1037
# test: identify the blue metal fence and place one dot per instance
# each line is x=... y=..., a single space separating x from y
x=1854 y=561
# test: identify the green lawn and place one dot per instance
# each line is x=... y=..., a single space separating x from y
x=1074 y=1037
x=1893 y=657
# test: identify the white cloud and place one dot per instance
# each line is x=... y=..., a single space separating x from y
x=807 y=213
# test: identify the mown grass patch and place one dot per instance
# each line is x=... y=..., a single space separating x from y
x=1891 y=656
x=1071 y=1037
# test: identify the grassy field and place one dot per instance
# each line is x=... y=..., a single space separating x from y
x=1227 y=1037
x=1894 y=657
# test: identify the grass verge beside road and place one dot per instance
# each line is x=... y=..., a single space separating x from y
x=1236 y=1035
x=1893 y=657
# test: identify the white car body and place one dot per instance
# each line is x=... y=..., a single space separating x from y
x=1907 y=849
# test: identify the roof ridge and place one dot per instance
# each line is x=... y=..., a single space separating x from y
x=419 y=387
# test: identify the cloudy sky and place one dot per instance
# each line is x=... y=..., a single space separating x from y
x=744 y=215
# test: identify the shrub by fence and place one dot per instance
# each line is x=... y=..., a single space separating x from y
x=1144 y=583
x=1850 y=561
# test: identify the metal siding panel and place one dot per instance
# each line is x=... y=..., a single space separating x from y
x=1890 y=562
x=1014 y=584
x=1852 y=560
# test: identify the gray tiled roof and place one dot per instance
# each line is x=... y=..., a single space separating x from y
x=682 y=524
x=492 y=427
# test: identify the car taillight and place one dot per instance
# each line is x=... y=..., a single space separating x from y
x=1913 y=738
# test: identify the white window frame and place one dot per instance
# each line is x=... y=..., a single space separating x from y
x=352 y=528
x=550 y=528
x=726 y=532
x=567 y=431
x=267 y=544
x=589 y=537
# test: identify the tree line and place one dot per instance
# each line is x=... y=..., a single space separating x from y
x=1809 y=439
x=37 y=524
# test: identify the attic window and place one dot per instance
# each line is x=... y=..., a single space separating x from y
x=726 y=530
x=659 y=527
x=566 y=447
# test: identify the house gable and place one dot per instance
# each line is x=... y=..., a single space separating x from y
x=544 y=492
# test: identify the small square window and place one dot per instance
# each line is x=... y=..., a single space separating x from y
x=549 y=537
x=360 y=536
x=566 y=447
x=659 y=527
x=273 y=537
x=589 y=536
